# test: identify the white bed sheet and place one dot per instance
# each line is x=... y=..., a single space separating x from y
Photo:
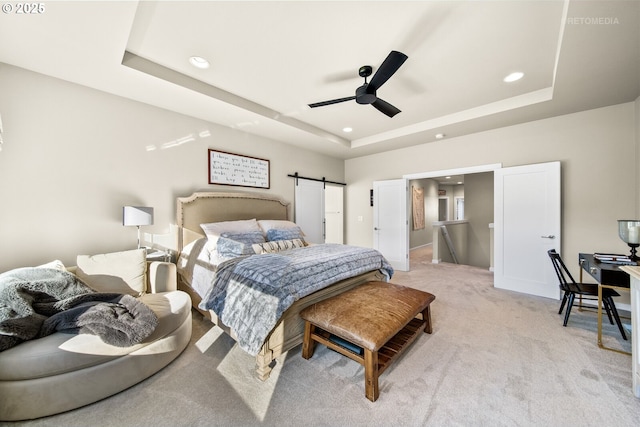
x=198 y=263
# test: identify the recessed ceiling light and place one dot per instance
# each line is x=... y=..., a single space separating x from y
x=199 y=62
x=514 y=77
x=347 y=129
x=439 y=135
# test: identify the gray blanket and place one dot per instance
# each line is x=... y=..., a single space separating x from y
x=36 y=302
x=250 y=293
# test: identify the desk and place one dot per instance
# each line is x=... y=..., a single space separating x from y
x=634 y=272
x=607 y=276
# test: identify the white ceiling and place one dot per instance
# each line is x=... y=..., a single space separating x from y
x=270 y=59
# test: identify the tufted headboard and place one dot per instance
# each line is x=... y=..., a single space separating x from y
x=205 y=207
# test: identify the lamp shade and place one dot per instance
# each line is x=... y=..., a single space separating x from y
x=137 y=216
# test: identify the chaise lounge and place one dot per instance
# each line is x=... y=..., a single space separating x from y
x=62 y=371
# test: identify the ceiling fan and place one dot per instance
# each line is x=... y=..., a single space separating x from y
x=366 y=94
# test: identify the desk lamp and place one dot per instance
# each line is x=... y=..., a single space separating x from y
x=629 y=232
x=137 y=216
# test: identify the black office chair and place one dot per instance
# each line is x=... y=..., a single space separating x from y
x=586 y=291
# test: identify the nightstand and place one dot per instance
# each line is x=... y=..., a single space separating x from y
x=154 y=254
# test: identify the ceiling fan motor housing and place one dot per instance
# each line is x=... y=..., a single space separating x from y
x=365 y=96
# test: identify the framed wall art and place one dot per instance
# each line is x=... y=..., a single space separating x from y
x=235 y=169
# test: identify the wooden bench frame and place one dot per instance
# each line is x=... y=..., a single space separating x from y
x=374 y=362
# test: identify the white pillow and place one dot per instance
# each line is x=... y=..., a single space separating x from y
x=118 y=272
x=213 y=230
x=279 y=224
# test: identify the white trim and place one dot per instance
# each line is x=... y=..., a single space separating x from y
x=423 y=246
x=458 y=171
x=518 y=101
x=439 y=223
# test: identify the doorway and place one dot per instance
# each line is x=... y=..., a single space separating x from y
x=443 y=209
x=541 y=180
x=475 y=186
x=459 y=215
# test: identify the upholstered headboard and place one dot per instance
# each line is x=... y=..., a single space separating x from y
x=205 y=207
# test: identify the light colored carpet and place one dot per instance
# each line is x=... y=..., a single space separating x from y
x=495 y=358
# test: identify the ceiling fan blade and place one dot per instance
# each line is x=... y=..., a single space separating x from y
x=385 y=107
x=333 y=101
x=387 y=69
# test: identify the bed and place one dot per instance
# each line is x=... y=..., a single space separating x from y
x=214 y=207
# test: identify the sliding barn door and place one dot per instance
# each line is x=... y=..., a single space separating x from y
x=334 y=214
x=309 y=209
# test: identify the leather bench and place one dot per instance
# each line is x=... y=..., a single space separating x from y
x=371 y=324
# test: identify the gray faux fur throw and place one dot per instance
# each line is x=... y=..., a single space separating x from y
x=36 y=302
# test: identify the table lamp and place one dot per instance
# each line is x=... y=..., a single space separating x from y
x=137 y=216
x=629 y=232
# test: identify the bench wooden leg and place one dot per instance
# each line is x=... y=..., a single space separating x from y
x=426 y=316
x=308 y=344
x=371 y=390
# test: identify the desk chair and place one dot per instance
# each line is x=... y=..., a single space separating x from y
x=586 y=291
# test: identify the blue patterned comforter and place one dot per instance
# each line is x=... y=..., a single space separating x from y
x=250 y=293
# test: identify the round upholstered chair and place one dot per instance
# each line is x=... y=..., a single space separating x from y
x=61 y=372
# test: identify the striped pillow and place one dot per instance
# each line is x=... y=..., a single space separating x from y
x=277 y=245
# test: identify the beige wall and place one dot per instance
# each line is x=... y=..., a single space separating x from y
x=74 y=156
x=597 y=150
x=637 y=120
x=478 y=207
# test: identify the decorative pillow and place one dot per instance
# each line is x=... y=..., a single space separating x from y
x=236 y=244
x=118 y=272
x=278 y=245
x=213 y=230
x=284 y=234
x=233 y=248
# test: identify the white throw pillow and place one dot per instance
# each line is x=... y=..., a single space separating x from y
x=118 y=272
x=279 y=224
x=213 y=230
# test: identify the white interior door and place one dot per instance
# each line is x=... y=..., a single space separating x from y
x=526 y=225
x=309 y=209
x=391 y=221
x=334 y=214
